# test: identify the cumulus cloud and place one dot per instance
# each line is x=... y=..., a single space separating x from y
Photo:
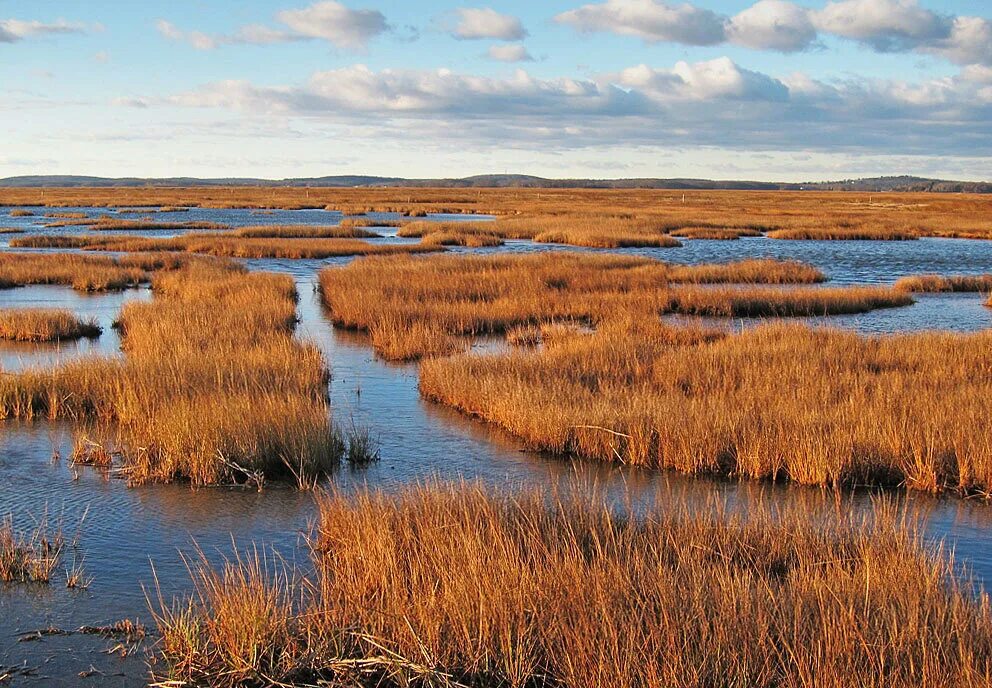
x=709 y=103
x=513 y=52
x=335 y=23
x=773 y=25
x=13 y=30
x=483 y=22
x=651 y=20
x=329 y=21
x=782 y=25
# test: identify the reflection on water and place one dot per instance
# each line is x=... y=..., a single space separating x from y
x=127 y=530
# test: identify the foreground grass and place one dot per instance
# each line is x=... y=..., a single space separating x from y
x=226 y=246
x=213 y=387
x=32 y=555
x=414 y=307
x=449 y=585
x=45 y=325
x=785 y=402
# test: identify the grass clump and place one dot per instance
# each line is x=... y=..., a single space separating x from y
x=471 y=240
x=226 y=246
x=778 y=402
x=941 y=283
x=715 y=233
x=342 y=231
x=451 y=585
x=414 y=307
x=29 y=556
x=845 y=234
x=19 y=212
x=213 y=387
x=11 y=230
x=45 y=325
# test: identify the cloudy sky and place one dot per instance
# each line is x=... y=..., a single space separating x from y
x=759 y=89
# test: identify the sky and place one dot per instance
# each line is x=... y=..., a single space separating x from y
x=720 y=89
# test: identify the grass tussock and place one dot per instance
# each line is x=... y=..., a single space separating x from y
x=844 y=234
x=715 y=233
x=414 y=307
x=779 y=402
x=449 y=585
x=86 y=273
x=45 y=325
x=32 y=555
x=226 y=246
x=341 y=231
x=213 y=387
x=11 y=230
x=941 y=283
x=471 y=240
x=19 y=212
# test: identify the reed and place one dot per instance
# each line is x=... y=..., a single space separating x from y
x=941 y=283
x=451 y=585
x=45 y=325
x=414 y=307
x=213 y=387
x=778 y=402
x=31 y=555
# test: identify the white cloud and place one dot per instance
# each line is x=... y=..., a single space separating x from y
x=484 y=22
x=710 y=103
x=333 y=22
x=13 y=30
x=782 y=25
x=513 y=52
x=773 y=25
x=650 y=20
x=330 y=21
x=885 y=25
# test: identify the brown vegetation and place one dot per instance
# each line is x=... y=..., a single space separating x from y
x=45 y=325
x=213 y=387
x=941 y=283
x=11 y=230
x=814 y=406
x=341 y=231
x=85 y=273
x=844 y=234
x=227 y=246
x=715 y=233
x=417 y=307
x=450 y=585
x=29 y=556
x=21 y=213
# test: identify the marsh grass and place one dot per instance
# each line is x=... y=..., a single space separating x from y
x=472 y=240
x=777 y=402
x=21 y=213
x=226 y=246
x=715 y=233
x=844 y=234
x=341 y=231
x=942 y=283
x=87 y=273
x=30 y=555
x=11 y=230
x=45 y=325
x=213 y=387
x=415 y=307
x=450 y=585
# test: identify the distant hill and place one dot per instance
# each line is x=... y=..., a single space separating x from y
x=875 y=184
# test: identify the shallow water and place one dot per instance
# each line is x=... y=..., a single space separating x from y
x=124 y=532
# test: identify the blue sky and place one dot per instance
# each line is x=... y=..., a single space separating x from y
x=762 y=89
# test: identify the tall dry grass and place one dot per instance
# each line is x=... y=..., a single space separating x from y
x=45 y=325
x=11 y=230
x=213 y=387
x=845 y=234
x=779 y=402
x=342 y=231
x=942 y=283
x=449 y=585
x=414 y=307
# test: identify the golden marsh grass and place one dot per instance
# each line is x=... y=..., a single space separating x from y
x=942 y=283
x=454 y=585
x=45 y=325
